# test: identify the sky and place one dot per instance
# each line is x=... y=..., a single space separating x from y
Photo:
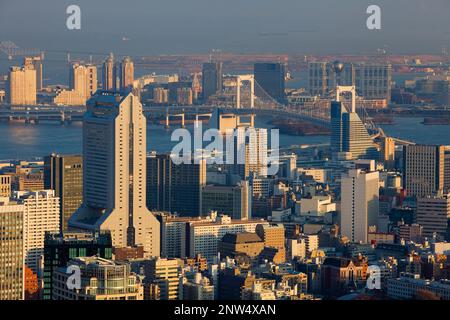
x=238 y=26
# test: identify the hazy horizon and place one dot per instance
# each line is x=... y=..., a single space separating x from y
x=197 y=26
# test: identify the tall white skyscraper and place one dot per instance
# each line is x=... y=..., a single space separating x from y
x=114 y=173
x=359 y=203
x=21 y=86
x=41 y=215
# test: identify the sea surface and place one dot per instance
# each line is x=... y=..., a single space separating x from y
x=28 y=141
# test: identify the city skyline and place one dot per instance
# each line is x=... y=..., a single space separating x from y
x=225 y=152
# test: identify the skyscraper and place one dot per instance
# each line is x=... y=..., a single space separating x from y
x=36 y=62
x=211 y=79
x=83 y=79
x=126 y=73
x=233 y=200
x=372 y=80
x=41 y=215
x=21 y=87
x=108 y=75
x=271 y=77
x=173 y=187
x=11 y=250
x=359 y=204
x=423 y=170
x=433 y=214
x=64 y=174
x=60 y=248
x=387 y=154
x=348 y=132
x=114 y=173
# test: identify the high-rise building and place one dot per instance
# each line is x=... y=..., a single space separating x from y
x=433 y=214
x=114 y=173
x=173 y=187
x=233 y=200
x=108 y=74
x=184 y=96
x=82 y=83
x=11 y=250
x=83 y=79
x=166 y=273
x=349 y=134
x=211 y=79
x=372 y=80
x=387 y=154
x=41 y=215
x=271 y=78
x=21 y=88
x=446 y=169
x=36 y=62
x=64 y=174
x=423 y=170
x=320 y=78
x=359 y=204
x=101 y=279
x=5 y=185
x=126 y=74
x=59 y=249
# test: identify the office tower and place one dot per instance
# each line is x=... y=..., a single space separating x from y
x=159 y=172
x=320 y=78
x=36 y=63
x=41 y=215
x=250 y=152
x=349 y=134
x=387 y=154
x=184 y=96
x=187 y=181
x=423 y=170
x=446 y=169
x=108 y=74
x=101 y=279
x=203 y=237
x=165 y=273
x=114 y=173
x=59 y=249
x=11 y=250
x=22 y=85
x=433 y=214
x=271 y=78
x=359 y=204
x=232 y=200
x=160 y=95
x=211 y=79
x=83 y=80
x=337 y=127
x=64 y=174
x=373 y=80
x=126 y=74
x=5 y=185
x=175 y=188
